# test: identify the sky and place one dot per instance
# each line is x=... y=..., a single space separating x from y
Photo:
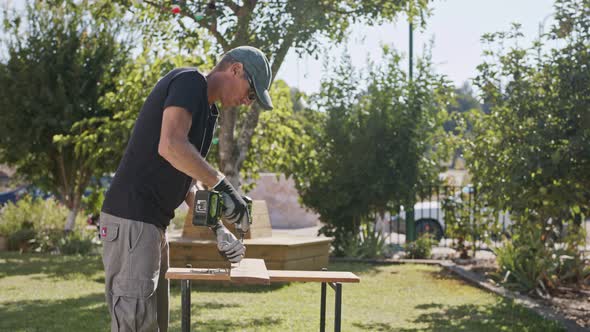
x=455 y=25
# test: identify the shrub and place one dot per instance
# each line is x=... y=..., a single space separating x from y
x=368 y=243
x=34 y=224
x=77 y=243
x=534 y=262
x=421 y=248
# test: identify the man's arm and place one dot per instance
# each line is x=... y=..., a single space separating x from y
x=179 y=152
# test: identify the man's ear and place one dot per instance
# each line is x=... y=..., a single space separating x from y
x=237 y=68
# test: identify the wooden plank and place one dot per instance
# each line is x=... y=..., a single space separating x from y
x=250 y=271
x=312 y=276
x=197 y=274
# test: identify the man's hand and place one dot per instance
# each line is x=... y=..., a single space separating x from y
x=235 y=209
x=229 y=245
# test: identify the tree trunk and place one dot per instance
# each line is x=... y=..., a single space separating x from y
x=228 y=149
x=71 y=220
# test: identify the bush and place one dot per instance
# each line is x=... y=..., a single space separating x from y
x=21 y=239
x=76 y=243
x=421 y=248
x=368 y=243
x=534 y=262
x=34 y=224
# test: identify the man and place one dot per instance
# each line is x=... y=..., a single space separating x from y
x=166 y=151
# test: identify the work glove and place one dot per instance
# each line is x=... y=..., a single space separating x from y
x=229 y=246
x=235 y=209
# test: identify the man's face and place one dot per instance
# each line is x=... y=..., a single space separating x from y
x=238 y=89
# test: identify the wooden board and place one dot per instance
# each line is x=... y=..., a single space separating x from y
x=312 y=276
x=197 y=274
x=250 y=271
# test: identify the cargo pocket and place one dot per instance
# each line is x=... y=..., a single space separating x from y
x=134 y=305
x=111 y=258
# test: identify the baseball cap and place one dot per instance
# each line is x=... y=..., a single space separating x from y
x=257 y=67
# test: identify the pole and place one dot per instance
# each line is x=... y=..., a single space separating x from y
x=411 y=51
x=410 y=227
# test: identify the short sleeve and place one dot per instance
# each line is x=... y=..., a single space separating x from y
x=186 y=90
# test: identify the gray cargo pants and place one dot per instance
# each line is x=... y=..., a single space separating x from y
x=135 y=258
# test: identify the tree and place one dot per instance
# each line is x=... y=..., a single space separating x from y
x=275 y=27
x=61 y=59
x=377 y=145
x=531 y=154
x=283 y=138
x=463 y=101
x=532 y=151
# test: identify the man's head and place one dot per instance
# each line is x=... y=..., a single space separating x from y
x=246 y=76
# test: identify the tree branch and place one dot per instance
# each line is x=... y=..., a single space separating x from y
x=281 y=54
x=212 y=28
x=244 y=16
x=62 y=172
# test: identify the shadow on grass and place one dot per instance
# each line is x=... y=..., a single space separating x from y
x=504 y=315
x=360 y=268
x=230 y=324
x=54 y=266
x=443 y=274
x=225 y=287
x=87 y=313
x=234 y=324
x=213 y=305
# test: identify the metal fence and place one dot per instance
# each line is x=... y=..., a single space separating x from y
x=483 y=228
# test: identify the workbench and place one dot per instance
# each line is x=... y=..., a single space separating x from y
x=254 y=272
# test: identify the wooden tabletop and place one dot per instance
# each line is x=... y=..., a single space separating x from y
x=248 y=271
x=312 y=276
x=253 y=271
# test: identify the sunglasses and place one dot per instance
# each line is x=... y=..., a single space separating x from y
x=252 y=91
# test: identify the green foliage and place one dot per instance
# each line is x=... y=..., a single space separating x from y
x=276 y=27
x=61 y=59
x=78 y=242
x=533 y=261
x=530 y=154
x=377 y=144
x=34 y=224
x=532 y=150
x=284 y=140
x=93 y=202
x=368 y=243
x=421 y=248
x=104 y=138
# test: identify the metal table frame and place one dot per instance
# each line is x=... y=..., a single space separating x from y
x=185 y=294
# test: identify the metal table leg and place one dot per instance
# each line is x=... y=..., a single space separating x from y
x=323 y=309
x=337 y=287
x=185 y=300
x=338 y=307
x=185 y=293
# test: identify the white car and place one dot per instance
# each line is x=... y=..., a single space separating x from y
x=429 y=218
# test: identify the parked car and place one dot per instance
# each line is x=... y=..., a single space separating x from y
x=429 y=218
x=12 y=195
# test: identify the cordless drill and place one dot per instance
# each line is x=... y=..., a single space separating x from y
x=209 y=207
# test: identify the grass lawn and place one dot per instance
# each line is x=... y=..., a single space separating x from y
x=61 y=293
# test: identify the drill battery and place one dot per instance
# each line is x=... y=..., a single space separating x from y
x=207 y=208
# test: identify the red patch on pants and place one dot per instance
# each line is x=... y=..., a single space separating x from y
x=103 y=231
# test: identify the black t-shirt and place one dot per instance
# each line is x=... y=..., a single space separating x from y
x=146 y=187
